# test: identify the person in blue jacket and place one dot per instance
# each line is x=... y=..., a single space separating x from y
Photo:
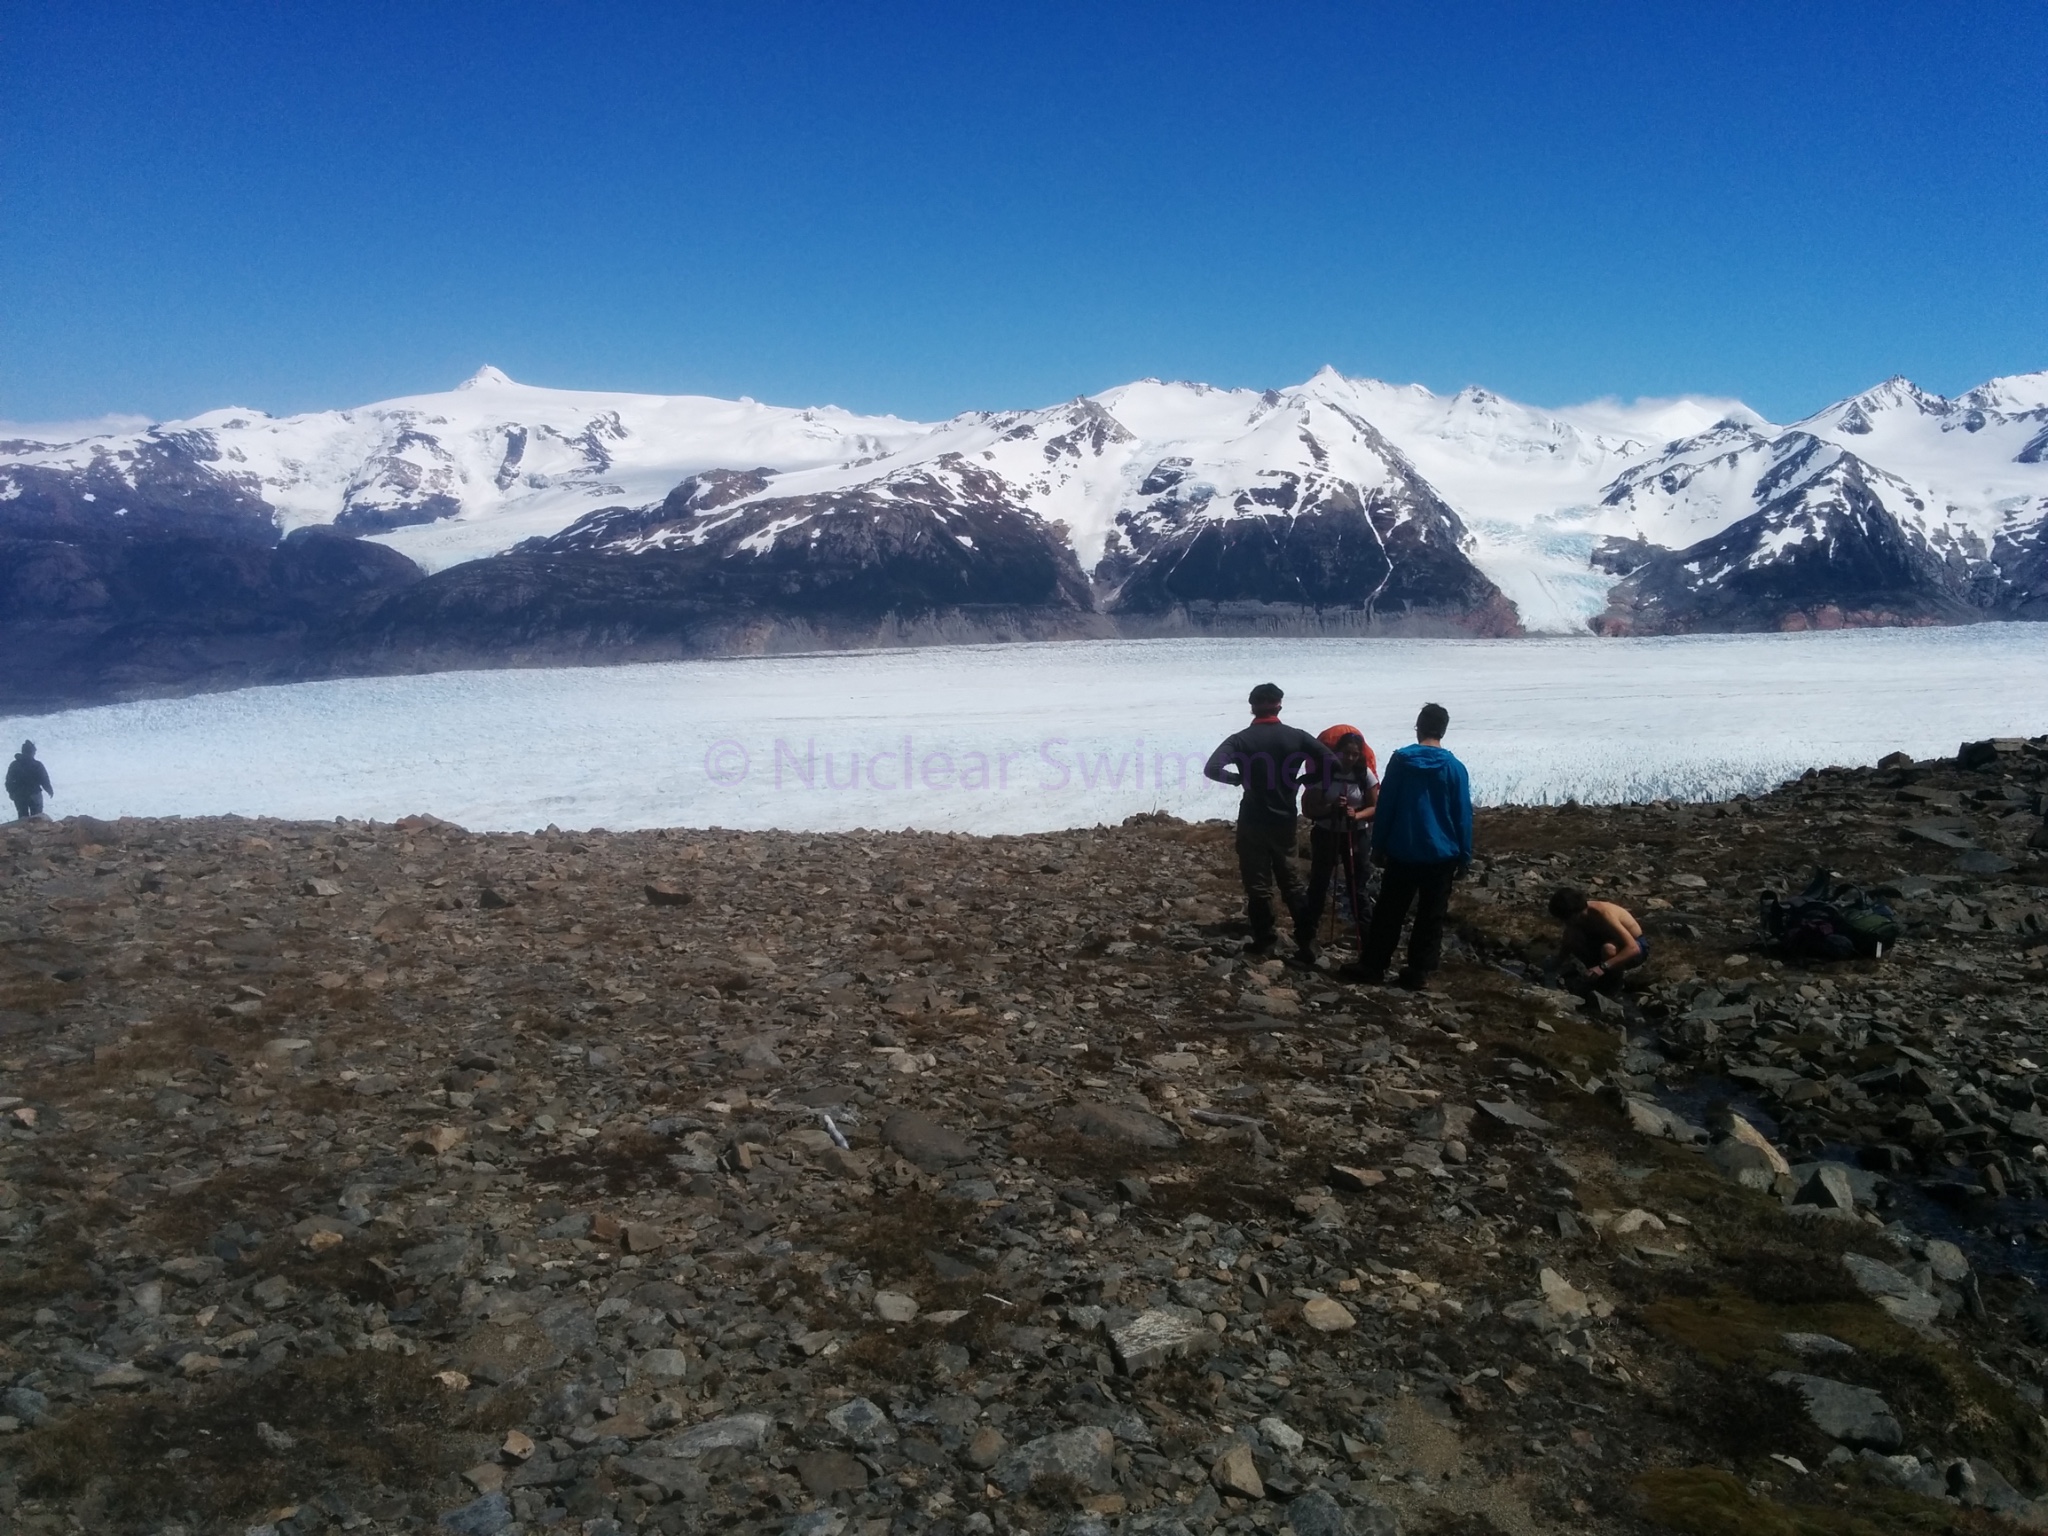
x=1422 y=838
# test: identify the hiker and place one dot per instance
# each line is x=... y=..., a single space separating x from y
x=1422 y=840
x=1338 y=816
x=27 y=782
x=1602 y=936
x=1270 y=762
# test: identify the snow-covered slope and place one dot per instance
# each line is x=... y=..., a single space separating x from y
x=454 y=476
x=1308 y=495
x=1893 y=506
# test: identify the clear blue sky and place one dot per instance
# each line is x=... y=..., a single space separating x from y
x=931 y=208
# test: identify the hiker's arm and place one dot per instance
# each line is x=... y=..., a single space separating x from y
x=1223 y=766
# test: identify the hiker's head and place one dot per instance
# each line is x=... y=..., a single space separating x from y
x=1265 y=699
x=1351 y=749
x=1431 y=724
x=1567 y=902
x=28 y=749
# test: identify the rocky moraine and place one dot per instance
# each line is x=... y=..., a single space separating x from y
x=388 y=1177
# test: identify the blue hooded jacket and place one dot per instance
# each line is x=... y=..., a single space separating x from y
x=1425 y=808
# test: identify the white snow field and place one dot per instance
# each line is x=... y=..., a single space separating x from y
x=1031 y=737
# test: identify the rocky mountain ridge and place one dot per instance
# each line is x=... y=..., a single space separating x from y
x=541 y=525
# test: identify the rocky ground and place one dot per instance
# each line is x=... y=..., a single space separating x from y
x=387 y=1177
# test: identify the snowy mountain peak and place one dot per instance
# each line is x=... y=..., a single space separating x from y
x=486 y=376
x=2012 y=394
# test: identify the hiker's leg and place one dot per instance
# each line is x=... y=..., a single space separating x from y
x=1255 y=869
x=1286 y=878
x=1322 y=864
x=1614 y=975
x=1323 y=848
x=1432 y=901
x=1364 y=881
x=1397 y=890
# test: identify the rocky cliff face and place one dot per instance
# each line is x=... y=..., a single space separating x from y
x=929 y=557
x=173 y=579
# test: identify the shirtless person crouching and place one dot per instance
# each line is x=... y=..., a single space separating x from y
x=1603 y=937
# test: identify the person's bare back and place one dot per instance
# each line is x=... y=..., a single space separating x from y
x=1603 y=936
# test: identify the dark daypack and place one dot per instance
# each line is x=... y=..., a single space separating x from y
x=1827 y=921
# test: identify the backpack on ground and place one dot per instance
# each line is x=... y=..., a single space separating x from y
x=1827 y=921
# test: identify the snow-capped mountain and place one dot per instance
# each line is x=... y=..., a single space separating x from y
x=449 y=477
x=1893 y=507
x=535 y=520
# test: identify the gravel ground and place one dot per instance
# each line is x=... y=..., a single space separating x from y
x=389 y=1177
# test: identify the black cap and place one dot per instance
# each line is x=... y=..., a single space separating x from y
x=1267 y=696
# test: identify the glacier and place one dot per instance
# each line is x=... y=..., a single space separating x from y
x=1030 y=737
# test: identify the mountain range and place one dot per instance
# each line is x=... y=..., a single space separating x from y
x=504 y=524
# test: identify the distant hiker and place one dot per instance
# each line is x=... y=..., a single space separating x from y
x=1602 y=936
x=27 y=782
x=1422 y=838
x=1270 y=762
x=1338 y=816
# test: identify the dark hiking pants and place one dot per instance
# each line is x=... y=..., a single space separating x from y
x=1427 y=887
x=1265 y=862
x=1329 y=851
x=30 y=804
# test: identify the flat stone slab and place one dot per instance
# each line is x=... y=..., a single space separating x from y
x=862 y=1422
x=1509 y=1113
x=1942 y=831
x=1981 y=861
x=1072 y=1459
x=1874 y=1277
x=735 y=1432
x=1856 y=1416
x=924 y=1140
x=1809 y=1345
x=1155 y=1337
x=1117 y=1122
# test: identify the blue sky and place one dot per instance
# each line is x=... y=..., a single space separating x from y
x=926 y=209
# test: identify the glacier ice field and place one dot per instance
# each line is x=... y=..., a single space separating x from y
x=1020 y=738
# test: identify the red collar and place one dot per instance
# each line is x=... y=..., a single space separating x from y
x=1265 y=719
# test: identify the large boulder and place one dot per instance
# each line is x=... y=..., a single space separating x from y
x=1856 y=1416
x=1072 y=1461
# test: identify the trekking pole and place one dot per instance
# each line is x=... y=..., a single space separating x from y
x=1343 y=870
x=1330 y=920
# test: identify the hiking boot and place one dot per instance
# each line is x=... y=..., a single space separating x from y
x=1357 y=975
x=1303 y=959
x=1262 y=945
x=1412 y=981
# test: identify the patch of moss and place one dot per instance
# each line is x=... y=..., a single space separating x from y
x=1711 y=1501
x=351 y=1424
x=1938 y=1395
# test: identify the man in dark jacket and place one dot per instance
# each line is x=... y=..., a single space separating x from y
x=1422 y=835
x=27 y=782
x=1270 y=762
